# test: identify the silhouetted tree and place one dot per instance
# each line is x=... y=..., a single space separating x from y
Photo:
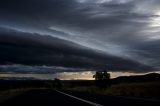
x=102 y=79
x=57 y=83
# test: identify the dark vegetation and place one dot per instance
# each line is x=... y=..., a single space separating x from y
x=102 y=79
x=14 y=84
x=143 y=86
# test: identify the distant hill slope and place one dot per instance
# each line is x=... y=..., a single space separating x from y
x=137 y=78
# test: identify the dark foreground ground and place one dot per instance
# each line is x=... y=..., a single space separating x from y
x=45 y=97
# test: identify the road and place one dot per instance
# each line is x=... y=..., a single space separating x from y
x=44 y=97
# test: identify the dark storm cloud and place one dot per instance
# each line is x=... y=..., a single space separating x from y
x=149 y=52
x=26 y=69
x=34 y=11
x=65 y=12
x=34 y=49
x=127 y=31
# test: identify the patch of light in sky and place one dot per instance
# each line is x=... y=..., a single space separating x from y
x=155 y=21
x=154 y=25
x=94 y=1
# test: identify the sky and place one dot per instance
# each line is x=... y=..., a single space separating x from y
x=79 y=35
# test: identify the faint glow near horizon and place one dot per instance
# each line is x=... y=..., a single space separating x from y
x=87 y=75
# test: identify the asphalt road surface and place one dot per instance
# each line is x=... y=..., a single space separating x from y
x=44 y=97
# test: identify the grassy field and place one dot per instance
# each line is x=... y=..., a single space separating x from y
x=9 y=93
x=142 y=90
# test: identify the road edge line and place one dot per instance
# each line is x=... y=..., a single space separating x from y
x=86 y=101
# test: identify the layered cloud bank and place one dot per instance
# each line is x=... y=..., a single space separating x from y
x=83 y=34
x=34 y=49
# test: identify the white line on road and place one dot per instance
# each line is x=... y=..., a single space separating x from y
x=86 y=101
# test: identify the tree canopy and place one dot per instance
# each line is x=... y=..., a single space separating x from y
x=102 y=78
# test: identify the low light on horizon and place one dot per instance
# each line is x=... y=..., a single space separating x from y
x=87 y=75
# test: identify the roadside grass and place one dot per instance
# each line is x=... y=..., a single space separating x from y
x=145 y=89
x=150 y=90
x=9 y=93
